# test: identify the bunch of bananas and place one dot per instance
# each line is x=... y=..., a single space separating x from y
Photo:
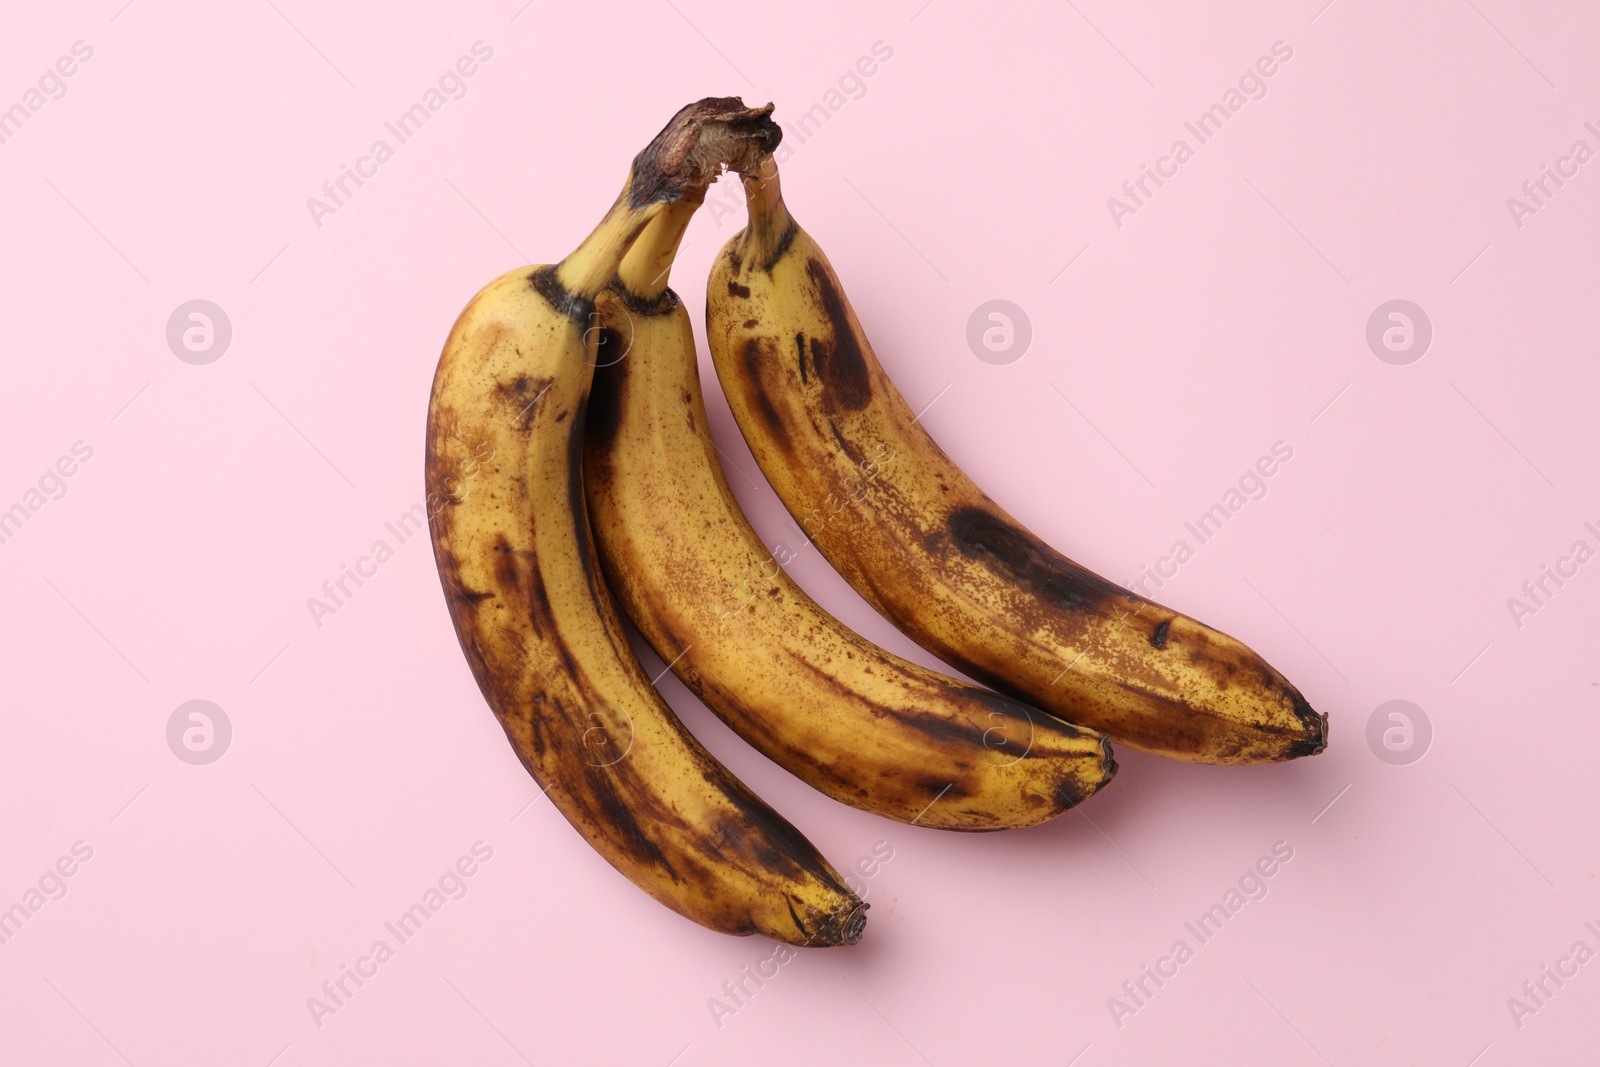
x=601 y=488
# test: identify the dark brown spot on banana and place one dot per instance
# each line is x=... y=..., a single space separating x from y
x=594 y=578
x=938 y=790
x=779 y=249
x=764 y=847
x=1158 y=639
x=546 y=284
x=943 y=730
x=621 y=817
x=518 y=400
x=661 y=304
x=757 y=355
x=844 y=445
x=521 y=387
x=840 y=363
x=740 y=291
x=604 y=415
x=798 y=925
x=1023 y=559
x=575 y=489
x=505 y=566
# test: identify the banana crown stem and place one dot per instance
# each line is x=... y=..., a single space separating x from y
x=677 y=166
x=646 y=267
x=590 y=266
x=770 y=221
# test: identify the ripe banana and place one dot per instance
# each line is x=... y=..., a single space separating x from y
x=530 y=605
x=860 y=724
x=938 y=557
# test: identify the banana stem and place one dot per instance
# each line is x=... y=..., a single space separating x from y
x=678 y=165
x=648 y=264
x=770 y=221
x=590 y=266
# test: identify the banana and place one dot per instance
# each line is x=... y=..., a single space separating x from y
x=530 y=606
x=934 y=554
x=860 y=724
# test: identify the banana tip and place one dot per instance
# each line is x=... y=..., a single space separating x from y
x=1316 y=727
x=1108 y=759
x=855 y=924
x=1321 y=737
x=843 y=927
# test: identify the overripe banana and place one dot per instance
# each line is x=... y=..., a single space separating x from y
x=860 y=724
x=938 y=557
x=531 y=607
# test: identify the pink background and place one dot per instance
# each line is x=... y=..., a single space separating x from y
x=1228 y=313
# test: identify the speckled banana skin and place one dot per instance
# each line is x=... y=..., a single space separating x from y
x=860 y=724
x=938 y=557
x=531 y=608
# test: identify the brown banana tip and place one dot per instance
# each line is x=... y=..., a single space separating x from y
x=1320 y=735
x=844 y=926
x=854 y=924
x=699 y=142
x=1073 y=789
x=1316 y=727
